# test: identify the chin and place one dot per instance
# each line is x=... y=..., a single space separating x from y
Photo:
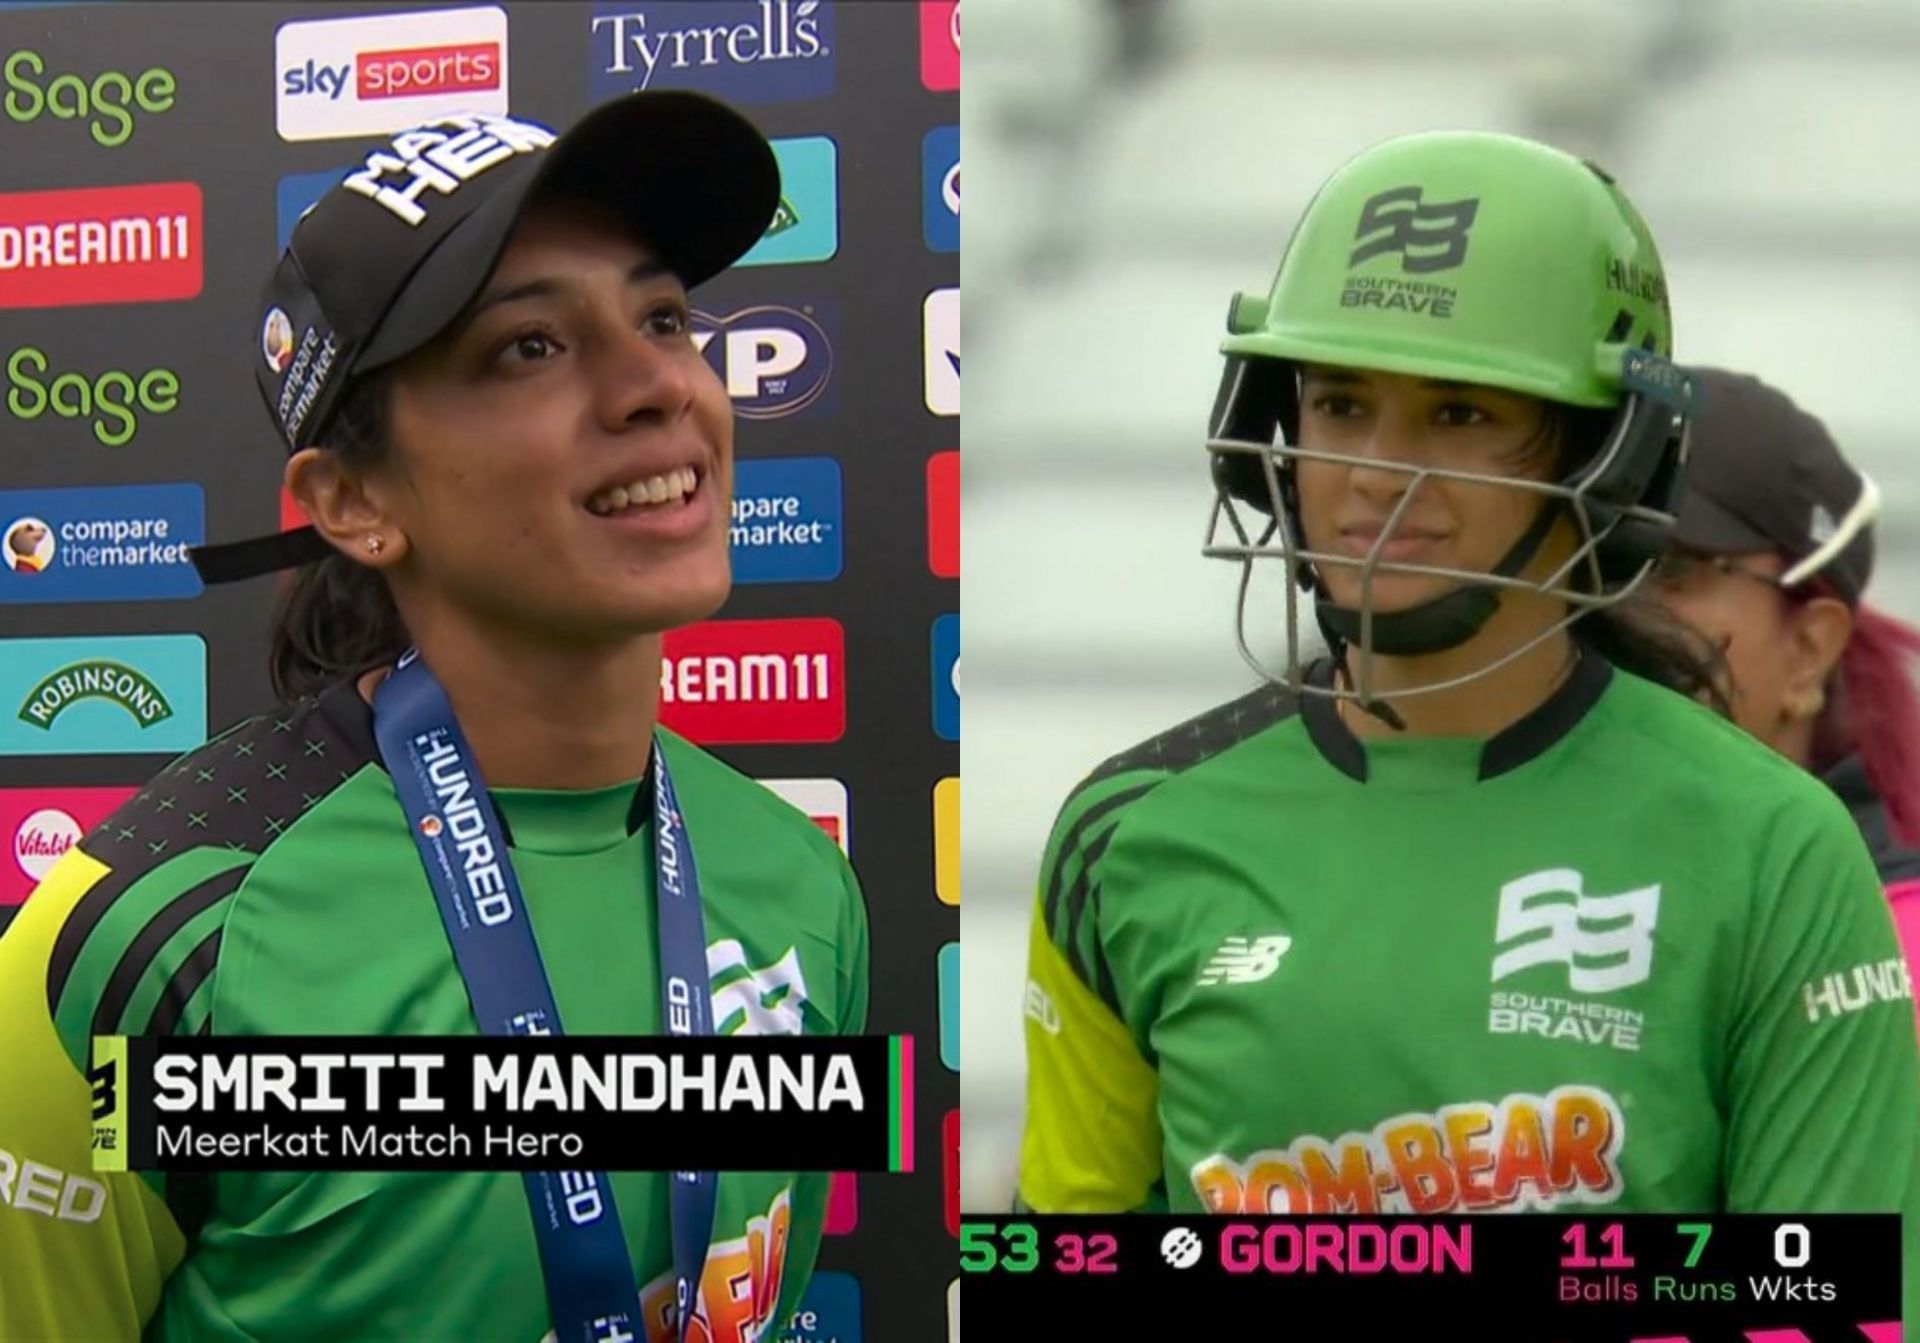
x=1391 y=592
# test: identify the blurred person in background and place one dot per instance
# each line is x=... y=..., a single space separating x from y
x=1482 y=910
x=518 y=468
x=1772 y=555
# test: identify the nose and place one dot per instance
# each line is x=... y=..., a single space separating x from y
x=1380 y=472
x=643 y=378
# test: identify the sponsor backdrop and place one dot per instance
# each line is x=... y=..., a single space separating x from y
x=156 y=160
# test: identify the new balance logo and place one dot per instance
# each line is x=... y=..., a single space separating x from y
x=1428 y=237
x=1244 y=960
x=1605 y=941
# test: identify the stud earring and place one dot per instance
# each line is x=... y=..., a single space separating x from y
x=375 y=545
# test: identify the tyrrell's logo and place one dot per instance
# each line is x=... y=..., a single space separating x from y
x=1428 y=237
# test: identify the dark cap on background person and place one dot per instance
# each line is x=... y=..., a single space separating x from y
x=1762 y=474
x=403 y=243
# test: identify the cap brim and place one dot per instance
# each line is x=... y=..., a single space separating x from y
x=698 y=182
x=1709 y=528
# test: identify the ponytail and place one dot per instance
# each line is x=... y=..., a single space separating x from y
x=335 y=618
x=1873 y=710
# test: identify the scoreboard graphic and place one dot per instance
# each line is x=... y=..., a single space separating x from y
x=1624 y=1278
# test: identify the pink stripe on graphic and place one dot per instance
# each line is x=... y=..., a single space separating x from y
x=1882 y=1333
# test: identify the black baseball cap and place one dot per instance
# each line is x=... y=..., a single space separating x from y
x=1764 y=475
x=399 y=247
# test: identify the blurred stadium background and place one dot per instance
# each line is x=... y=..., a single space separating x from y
x=1131 y=163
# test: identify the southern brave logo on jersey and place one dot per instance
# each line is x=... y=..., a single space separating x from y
x=755 y=1001
x=1605 y=941
x=1244 y=960
x=1040 y=1007
x=1427 y=237
x=1522 y=1152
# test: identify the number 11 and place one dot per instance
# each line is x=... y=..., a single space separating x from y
x=1613 y=1235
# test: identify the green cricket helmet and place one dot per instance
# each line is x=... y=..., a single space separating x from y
x=1477 y=258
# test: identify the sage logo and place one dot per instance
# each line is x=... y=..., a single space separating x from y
x=111 y=695
x=746 y=51
x=940 y=188
x=109 y=402
x=106 y=102
x=104 y=543
x=1427 y=237
x=786 y=525
x=775 y=360
x=96 y=245
x=806 y=226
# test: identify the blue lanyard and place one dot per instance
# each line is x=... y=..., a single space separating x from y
x=583 y=1252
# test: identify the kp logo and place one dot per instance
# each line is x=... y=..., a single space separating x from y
x=1428 y=237
x=1561 y=923
x=776 y=361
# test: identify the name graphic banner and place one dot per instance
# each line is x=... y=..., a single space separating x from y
x=761 y=1103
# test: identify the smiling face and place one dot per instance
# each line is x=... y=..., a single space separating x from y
x=1383 y=420
x=563 y=455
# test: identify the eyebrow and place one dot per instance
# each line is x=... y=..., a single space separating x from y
x=547 y=287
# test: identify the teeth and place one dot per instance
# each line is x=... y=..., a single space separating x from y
x=670 y=486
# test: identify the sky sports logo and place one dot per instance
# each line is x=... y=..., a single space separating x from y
x=744 y=51
x=343 y=78
x=126 y=695
x=737 y=682
x=39 y=825
x=775 y=360
x=786 y=525
x=824 y=802
x=98 y=245
x=102 y=544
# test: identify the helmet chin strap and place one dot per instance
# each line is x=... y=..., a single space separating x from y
x=1434 y=626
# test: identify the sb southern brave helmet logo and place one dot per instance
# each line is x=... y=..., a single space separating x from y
x=1428 y=237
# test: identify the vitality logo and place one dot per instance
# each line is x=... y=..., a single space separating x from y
x=745 y=51
x=39 y=825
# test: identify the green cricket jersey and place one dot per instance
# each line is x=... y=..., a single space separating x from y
x=1620 y=954
x=267 y=884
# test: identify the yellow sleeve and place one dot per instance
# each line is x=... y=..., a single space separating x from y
x=82 y=1255
x=1091 y=1141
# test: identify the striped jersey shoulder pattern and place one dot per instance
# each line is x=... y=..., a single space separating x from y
x=1096 y=806
x=137 y=953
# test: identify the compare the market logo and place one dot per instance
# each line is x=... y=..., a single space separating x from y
x=111 y=681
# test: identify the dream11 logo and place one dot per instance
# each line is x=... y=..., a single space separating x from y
x=745 y=51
